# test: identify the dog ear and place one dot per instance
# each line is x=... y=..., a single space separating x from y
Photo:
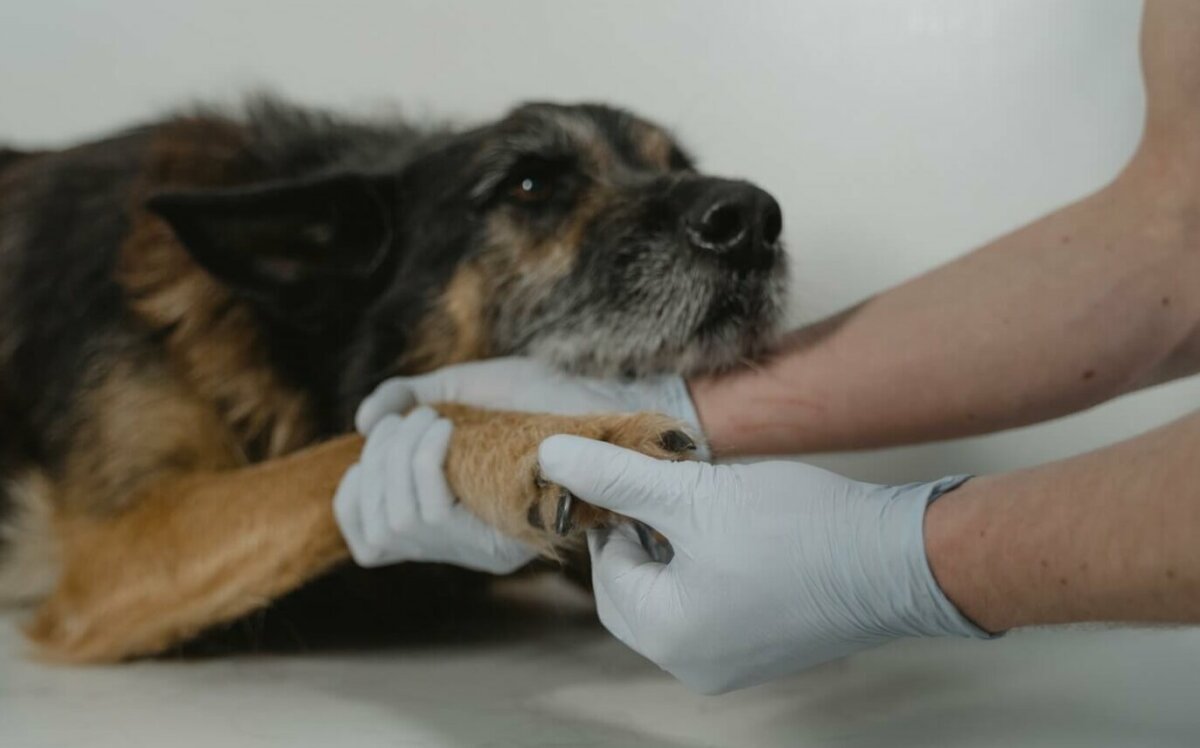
x=293 y=246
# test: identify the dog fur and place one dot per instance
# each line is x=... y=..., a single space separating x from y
x=191 y=310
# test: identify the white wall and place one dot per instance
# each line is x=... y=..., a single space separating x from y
x=896 y=134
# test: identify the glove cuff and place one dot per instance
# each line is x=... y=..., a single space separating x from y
x=933 y=613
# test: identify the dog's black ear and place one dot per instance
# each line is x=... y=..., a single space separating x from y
x=295 y=247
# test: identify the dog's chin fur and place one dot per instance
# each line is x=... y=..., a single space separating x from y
x=708 y=355
x=705 y=333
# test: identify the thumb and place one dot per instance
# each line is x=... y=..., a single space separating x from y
x=657 y=492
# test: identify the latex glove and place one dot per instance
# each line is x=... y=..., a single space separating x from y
x=530 y=385
x=394 y=504
x=778 y=565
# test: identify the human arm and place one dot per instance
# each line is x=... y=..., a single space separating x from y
x=1094 y=300
x=1082 y=306
x=1106 y=536
x=780 y=566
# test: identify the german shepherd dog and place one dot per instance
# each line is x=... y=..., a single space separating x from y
x=191 y=310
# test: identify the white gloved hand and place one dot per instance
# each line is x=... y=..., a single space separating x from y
x=526 y=384
x=394 y=504
x=778 y=565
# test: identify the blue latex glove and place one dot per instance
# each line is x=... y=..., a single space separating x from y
x=370 y=527
x=778 y=565
x=395 y=505
x=530 y=385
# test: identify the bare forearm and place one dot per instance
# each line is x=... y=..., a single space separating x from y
x=1085 y=304
x=1089 y=302
x=1108 y=536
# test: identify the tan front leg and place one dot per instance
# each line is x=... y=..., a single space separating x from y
x=205 y=548
x=191 y=552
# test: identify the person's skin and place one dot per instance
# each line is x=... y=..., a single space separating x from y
x=1108 y=536
x=1093 y=301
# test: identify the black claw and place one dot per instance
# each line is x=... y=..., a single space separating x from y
x=657 y=547
x=562 y=518
x=535 y=516
x=676 y=441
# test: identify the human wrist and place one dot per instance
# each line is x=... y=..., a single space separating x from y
x=711 y=402
x=954 y=532
x=757 y=411
x=923 y=608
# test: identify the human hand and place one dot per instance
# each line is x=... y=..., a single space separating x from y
x=530 y=385
x=395 y=505
x=778 y=565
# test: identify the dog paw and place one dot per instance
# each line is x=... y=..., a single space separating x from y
x=554 y=510
x=492 y=466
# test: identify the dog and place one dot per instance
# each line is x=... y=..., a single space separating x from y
x=191 y=310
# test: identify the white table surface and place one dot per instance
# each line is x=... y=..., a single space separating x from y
x=549 y=676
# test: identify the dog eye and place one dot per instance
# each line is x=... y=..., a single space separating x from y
x=534 y=181
x=530 y=188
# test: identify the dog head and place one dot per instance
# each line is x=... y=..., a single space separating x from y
x=579 y=234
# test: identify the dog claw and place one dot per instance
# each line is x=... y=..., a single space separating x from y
x=657 y=547
x=562 y=518
x=676 y=441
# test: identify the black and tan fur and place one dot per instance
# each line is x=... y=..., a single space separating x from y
x=191 y=310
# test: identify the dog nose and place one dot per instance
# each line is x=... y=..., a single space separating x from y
x=733 y=217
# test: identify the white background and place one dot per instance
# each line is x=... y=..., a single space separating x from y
x=896 y=135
